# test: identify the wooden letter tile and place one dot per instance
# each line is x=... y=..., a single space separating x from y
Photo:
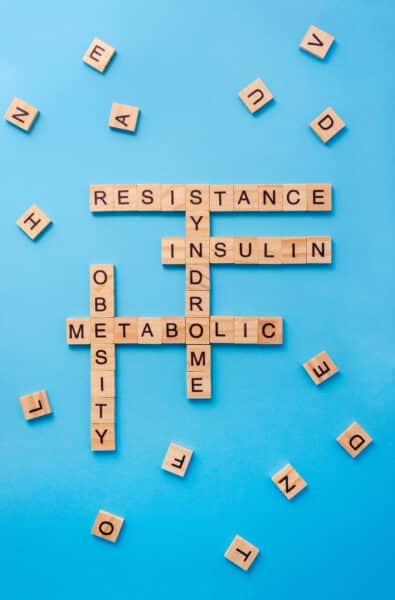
x=255 y=96
x=270 y=198
x=245 y=251
x=317 y=42
x=354 y=439
x=241 y=553
x=103 y=437
x=197 y=197
x=221 y=250
x=245 y=330
x=319 y=197
x=78 y=331
x=327 y=125
x=320 y=368
x=102 y=330
x=107 y=526
x=102 y=290
x=197 y=330
x=101 y=198
x=98 y=55
x=270 y=330
x=123 y=117
x=125 y=198
x=177 y=460
x=294 y=197
x=199 y=385
x=33 y=222
x=197 y=303
x=289 y=482
x=35 y=405
x=293 y=251
x=197 y=224
x=173 y=251
x=148 y=197
x=103 y=357
x=197 y=277
x=222 y=330
x=125 y=330
x=149 y=331
x=319 y=250
x=172 y=198
x=269 y=251
x=102 y=410
x=21 y=114
x=103 y=384
x=198 y=357
x=245 y=198
x=173 y=330
x=197 y=251
x=221 y=198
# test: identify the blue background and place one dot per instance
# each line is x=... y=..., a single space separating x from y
x=183 y=64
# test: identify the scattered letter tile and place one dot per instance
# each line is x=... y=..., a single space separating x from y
x=21 y=114
x=124 y=117
x=255 y=95
x=320 y=368
x=327 y=125
x=98 y=55
x=354 y=439
x=33 y=222
x=289 y=482
x=35 y=405
x=241 y=553
x=317 y=42
x=107 y=526
x=177 y=460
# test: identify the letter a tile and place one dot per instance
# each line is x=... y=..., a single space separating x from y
x=177 y=460
x=354 y=439
x=241 y=553
x=123 y=117
x=320 y=368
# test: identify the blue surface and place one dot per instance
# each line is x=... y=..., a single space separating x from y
x=183 y=64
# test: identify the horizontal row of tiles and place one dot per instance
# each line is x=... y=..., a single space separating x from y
x=316 y=197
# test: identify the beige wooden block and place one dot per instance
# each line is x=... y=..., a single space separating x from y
x=319 y=197
x=173 y=330
x=103 y=437
x=245 y=251
x=197 y=277
x=103 y=357
x=241 y=553
x=270 y=198
x=289 y=482
x=222 y=330
x=245 y=330
x=199 y=385
x=102 y=291
x=148 y=197
x=102 y=329
x=33 y=222
x=245 y=198
x=149 y=330
x=293 y=251
x=255 y=96
x=197 y=251
x=327 y=125
x=125 y=198
x=320 y=367
x=221 y=250
x=221 y=198
x=197 y=197
x=21 y=114
x=270 y=330
x=107 y=526
x=197 y=330
x=35 y=405
x=103 y=384
x=177 y=460
x=199 y=357
x=172 y=198
x=316 y=42
x=101 y=198
x=269 y=251
x=294 y=197
x=102 y=410
x=98 y=55
x=78 y=331
x=319 y=250
x=125 y=330
x=173 y=251
x=197 y=224
x=197 y=303
x=354 y=439
x=124 y=117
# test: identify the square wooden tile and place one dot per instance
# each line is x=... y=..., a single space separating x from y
x=245 y=251
x=173 y=251
x=198 y=357
x=255 y=96
x=78 y=331
x=197 y=197
x=33 y=222
x=269 y=251
x=221 y=198
x=123 y=117
x=320 y=368
x=102 y=329
x=149 y=330
x=318 y=250
x=197 y=224
x=319 y=197
x=199 y=385
x=317 y=42
x=102 y=410
x=294 y=197
x=221 y=250
x=101 y=198
x=173 y=330
x=245 y=198
x=222 y=330
x=103 y=437
x=197 y=277
x=125 y=198
x=327 y=125
x=197 y=251
x=98 y=55
x=125 y=330
x=103 y=384
x=289 y=482
x=197 y=303
x=35 y=405
x=354 y=439
x=197 y=330
x=270 y=330
x=107 y=526
x=172 y=198
x=103 y=357
x=241 y=553
x=270 y=198
x=245 y=330
x=21 y=114
x=148 y=197
x=177 y=460
x=293 y=251
x=102 y=291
